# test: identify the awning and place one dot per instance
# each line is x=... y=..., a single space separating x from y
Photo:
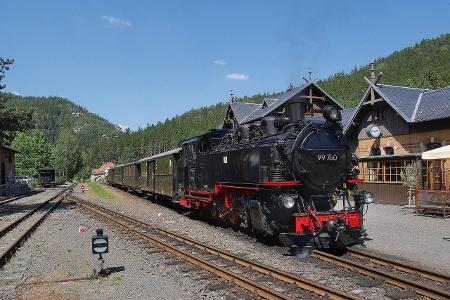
x=391 y=157
x=438 y=153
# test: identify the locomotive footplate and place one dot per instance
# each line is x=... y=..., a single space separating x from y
x=322 y=240
x=324 y=230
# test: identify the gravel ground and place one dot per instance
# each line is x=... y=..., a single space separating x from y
x=421 y=240
x=56 y=263
x=12 y=211
x=246 y=246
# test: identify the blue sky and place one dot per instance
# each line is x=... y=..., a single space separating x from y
x=139 y=62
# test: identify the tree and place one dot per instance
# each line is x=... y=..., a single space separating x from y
x=409 y=176
x=11 y=120
x=34 y=152
x=67 y=154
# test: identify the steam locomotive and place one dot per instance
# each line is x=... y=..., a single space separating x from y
x=281 y=177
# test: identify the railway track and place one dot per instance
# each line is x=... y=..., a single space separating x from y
x=17 y=198
x=15 y=233
x=219 y=262
x=433 y=291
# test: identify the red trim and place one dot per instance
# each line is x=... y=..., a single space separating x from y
x=197 y=192
x=308 y=223
x=226 y=186
x=355 y=180
x=280 y=183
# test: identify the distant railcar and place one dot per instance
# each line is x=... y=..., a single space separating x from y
x=49 y=177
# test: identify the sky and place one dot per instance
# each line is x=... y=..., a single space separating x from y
x=140 y=62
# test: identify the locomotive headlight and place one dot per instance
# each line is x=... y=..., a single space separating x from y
x=287 y=201
x=367 y=198
x=331 y=113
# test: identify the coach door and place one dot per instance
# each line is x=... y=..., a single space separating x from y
x=2 y=173
x=151 y=175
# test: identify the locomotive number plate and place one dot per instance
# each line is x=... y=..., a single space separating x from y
x=329 y=156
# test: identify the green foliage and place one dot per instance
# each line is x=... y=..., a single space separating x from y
x=426 y=64
x=4 y=66
x=67 y=154
x=410 y=174
x=100 y=191
x=52 y=115
x=34 y=152
x=11 y=120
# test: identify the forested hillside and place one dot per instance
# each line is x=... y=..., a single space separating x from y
x=68 y=131
x=426 y=64
x=52 y=115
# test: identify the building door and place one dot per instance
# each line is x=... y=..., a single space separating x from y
x=2 y=173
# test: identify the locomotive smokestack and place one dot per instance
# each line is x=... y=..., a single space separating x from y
x=296 y=110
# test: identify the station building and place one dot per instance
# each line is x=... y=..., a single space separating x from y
x=390 y=128
x=7 y=164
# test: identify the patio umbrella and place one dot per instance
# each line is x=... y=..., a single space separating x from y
x=438 y=153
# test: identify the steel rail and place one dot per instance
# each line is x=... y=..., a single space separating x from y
x=399 y=265
x=14 y=224
x=387 y=277
x=8 y=252
x=18 y=197
x=302 y=283
x=237 y=279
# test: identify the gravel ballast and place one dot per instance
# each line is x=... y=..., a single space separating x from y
x=244 y=245
x=56 y=263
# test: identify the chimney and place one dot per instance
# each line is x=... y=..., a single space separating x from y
x=373 y=78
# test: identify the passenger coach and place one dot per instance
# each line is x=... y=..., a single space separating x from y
x=154 y=175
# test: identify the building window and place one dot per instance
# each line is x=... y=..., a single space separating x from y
x=383 y=170
x=431 y=146
x=433 y=175
x=389 y=150
x=375 y=151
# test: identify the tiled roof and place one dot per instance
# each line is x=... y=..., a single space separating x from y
x=413 y=104
x=242 y=110
x=103 y=168
x=433 y=105
x=270 y=101
x=403 y=99
x=347 y=115
x=261 y=112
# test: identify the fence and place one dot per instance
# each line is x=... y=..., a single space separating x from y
x=13 y=189
x=434 y=198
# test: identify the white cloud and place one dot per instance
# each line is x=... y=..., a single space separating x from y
x=237 y=76
x=15 y=93
x=219 y=62
x=116 y=22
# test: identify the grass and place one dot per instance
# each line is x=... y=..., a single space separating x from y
x=100 y=191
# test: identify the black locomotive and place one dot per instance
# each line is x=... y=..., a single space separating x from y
x=280 y=177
